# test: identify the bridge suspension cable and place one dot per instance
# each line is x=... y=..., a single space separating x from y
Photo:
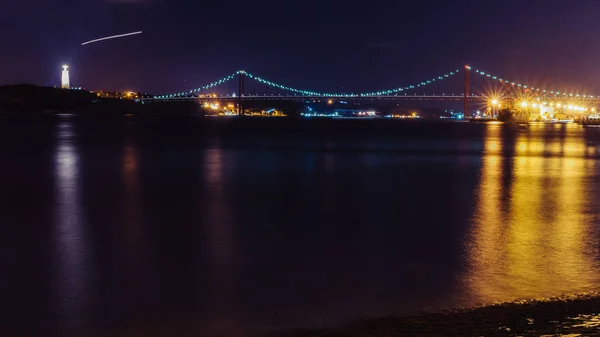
x=522 y=86
x=310 y=92
x=364 y=94
x=392 y=91
x=208 y=86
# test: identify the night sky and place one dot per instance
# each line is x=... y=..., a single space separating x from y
x=325 y=45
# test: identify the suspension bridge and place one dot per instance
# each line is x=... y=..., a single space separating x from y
x=513 y=94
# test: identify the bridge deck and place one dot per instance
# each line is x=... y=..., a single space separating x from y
x=313 y=98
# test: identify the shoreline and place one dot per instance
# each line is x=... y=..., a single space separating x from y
x=577 y=315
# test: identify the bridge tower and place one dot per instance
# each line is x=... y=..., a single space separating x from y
x=466 y=112
x=240 y=92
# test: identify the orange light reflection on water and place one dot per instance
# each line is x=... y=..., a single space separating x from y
x=531 y=234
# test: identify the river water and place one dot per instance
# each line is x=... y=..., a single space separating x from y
x=240 y=227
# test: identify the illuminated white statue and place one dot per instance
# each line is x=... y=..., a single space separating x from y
x=65 y=77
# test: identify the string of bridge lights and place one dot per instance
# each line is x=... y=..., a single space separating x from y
x=522 y=86
x=366 y=94
x=310 y=92
x=393 y=91
x=208 y=86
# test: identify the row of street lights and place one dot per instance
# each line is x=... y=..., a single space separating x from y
x=568 y=107
x=494 y=105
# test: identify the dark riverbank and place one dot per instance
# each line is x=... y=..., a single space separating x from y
x=31 y=100
x=572 y=316
x=25 y=99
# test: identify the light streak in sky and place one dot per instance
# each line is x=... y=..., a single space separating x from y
x=111 y=37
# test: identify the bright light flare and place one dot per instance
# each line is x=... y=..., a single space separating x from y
x=523 y=104
x=111 y=37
